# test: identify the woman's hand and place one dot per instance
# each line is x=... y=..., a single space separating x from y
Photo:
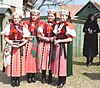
x=47 y=39
x=23 y=43
x=15 y=46
x=53 y=38
x=56 y=42
x=94 y=31
x=90 y=32
x=30 y=39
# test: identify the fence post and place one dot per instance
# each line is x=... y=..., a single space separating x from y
x=69 y=59
x=99 y=49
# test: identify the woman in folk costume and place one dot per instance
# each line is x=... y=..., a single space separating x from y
x=4 y=31
x=32 y=59
x=14 y=52
x=64 y=35
x=47 y=37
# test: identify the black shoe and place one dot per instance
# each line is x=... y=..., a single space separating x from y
x=87 y=64
x=50 y=77
x=99 y=64
x=33 y=80
x=90 y=63
x=29 y=78
x=33 y=77
x=64 y=82
x=13 y=84
x=60 y=85
x=43 y=81
x=17 y=82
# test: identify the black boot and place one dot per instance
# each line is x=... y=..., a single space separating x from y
x=43 y=76
x=87 y=62
x=29 y=78
x=64 y=80
x=13 y=81
x=50 y=77
x=91 y=60
x=99 y=64
x=17 y=82
x=60 y=82
x=33 y=78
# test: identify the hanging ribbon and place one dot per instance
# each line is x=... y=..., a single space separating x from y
x=34 y=49
x=18 y=29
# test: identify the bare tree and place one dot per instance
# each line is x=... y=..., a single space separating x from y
x=41 y=4
x=31 y=3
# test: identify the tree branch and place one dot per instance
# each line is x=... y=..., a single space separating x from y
x=41 y=4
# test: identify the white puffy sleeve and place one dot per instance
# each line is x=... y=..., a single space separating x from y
x=70 y=32
x=26 y=33
x=6 y=30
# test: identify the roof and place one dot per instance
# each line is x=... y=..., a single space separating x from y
x=75 y=9
x=4 y=10
x=96 y=4
x=72 y=8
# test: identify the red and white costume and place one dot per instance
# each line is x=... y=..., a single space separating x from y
x=32 y=62
x=15 y=62
x=63 y=30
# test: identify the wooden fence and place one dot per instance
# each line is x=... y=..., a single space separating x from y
x=77 y=42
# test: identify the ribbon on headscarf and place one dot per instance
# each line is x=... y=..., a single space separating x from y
x=53 y=53
x=35 y=48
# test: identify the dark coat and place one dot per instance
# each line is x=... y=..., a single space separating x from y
x=90 y=47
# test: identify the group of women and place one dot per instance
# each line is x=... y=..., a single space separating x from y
x=34 y=46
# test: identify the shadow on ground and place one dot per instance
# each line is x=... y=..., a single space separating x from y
x=83 y=63
x=7 y=80
x=93 y=76
x=78 y=63
x=3 y=78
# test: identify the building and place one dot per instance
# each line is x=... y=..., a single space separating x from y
x=4 y=20
x=14 y=5
x=7 y=7
x=91 y=7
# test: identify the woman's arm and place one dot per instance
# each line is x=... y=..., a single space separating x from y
x=24 y=41
x=8 y=41
x=63 y=40
x=43 y=38
x=85 y=29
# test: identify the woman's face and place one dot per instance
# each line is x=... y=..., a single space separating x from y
x=51 y=17
x=92 y=18
x=16 y=19
x=63 y=17
x=34 y=16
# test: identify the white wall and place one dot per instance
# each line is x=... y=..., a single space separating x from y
x=17 y=3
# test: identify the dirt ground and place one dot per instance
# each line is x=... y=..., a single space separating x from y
x=83 y=77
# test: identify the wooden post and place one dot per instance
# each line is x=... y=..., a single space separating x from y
x=99 y=49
